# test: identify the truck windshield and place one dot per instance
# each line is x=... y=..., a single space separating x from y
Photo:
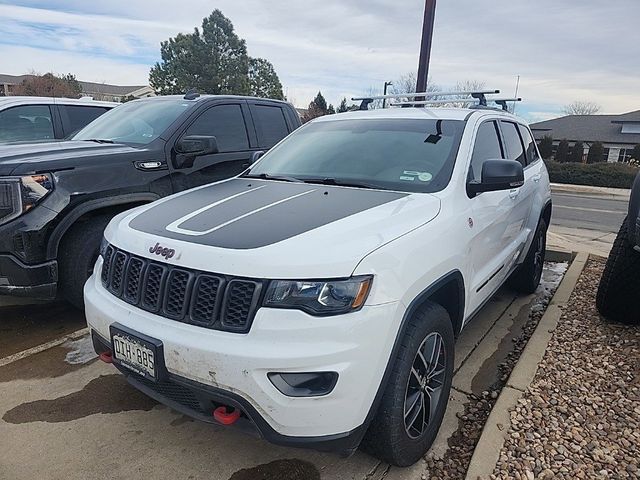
x=415 y=155
x=137 y=122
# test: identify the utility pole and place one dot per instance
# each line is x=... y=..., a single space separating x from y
x=384 y=100
x=425 y=45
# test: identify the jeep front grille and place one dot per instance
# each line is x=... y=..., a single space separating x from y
x=205 y=299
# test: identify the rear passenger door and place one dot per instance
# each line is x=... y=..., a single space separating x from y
x=522 y=197
x=76 y=117
x=230 y=122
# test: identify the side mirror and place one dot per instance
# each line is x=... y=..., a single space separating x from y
x=497 y=175
x=197 y=145
x=255 y=156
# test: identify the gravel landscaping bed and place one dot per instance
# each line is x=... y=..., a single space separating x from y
x=580 y=418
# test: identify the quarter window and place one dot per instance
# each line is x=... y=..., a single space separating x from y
x=529 y=144
x=226 y=123
x=487 y=147
x=270 y=123
x=515 y=150
x=26 y=123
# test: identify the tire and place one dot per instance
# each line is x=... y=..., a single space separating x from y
x=77 y=255
x=618 y=297
x=527 y=276
x=388 y=437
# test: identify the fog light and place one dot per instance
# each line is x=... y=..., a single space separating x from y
x=313 y=384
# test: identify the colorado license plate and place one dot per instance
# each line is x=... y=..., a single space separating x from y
x=134 y=354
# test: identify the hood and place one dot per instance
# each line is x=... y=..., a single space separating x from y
x=18 y=158
x=271 y=229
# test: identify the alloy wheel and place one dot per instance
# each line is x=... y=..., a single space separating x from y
x=425 y=385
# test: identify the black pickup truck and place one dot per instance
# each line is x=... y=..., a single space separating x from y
x=57 y=198
x=618 y=296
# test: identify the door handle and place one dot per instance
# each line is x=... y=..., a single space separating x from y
x=513 y=194
x=151 y=165
x=537 y=177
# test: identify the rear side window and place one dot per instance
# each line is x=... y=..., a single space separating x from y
x=271 y=125
x=76 y=117
x=515 y=150
x=26 y=123
x=226 y=123
x=529 y=144
x=487 y=147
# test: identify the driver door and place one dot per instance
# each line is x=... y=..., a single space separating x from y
x=231 y=125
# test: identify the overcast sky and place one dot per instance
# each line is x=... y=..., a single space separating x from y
x=564 y=50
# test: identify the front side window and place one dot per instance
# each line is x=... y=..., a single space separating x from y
x=26 y=123
x=415 y=155
x=138 y=122
x=487 y=147
x=515 y=150
x=226 y=123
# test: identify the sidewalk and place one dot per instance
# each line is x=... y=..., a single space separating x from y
x=580 y=240
x=612 y=193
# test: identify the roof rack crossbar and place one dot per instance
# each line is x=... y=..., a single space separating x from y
x=425 y=95
x=434 y=102
x=503 y=102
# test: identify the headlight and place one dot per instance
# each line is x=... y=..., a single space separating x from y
x=20 y=194
x=330 y=297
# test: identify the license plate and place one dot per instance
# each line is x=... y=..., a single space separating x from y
x=134 y=354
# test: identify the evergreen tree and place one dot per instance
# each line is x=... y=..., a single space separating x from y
x=546 y=147
x=596 y=153
x=263 y=80
x=635 y=153
x=343 y=106
x=331 y=110
x=562 y=153
x=577 y=152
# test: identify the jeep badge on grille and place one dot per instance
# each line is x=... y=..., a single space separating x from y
x=167 y=253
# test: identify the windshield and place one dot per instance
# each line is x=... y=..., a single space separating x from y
x=415 y=155
x=137 y=122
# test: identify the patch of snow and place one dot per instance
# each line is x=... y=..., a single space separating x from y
x=81 y=351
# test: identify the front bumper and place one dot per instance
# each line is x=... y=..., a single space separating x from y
x=230 y=368
x=20 y=279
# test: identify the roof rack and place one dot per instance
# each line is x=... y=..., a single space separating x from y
x=479 y=98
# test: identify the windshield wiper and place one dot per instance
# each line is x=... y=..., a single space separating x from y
x=99 y=140
x=266 y=176
x=340 y=183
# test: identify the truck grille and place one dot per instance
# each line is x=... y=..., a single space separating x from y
x=205 y=299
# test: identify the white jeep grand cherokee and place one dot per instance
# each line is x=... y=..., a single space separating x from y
x=317 y=297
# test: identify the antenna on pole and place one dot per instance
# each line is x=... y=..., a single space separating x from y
x=516 y=94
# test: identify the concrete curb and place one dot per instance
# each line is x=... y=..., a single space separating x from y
x=487 y=451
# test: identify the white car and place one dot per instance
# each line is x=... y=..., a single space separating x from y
x=32 y=119
x=317 y=297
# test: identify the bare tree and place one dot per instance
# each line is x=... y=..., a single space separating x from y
x=581 y=108
x=407 y=84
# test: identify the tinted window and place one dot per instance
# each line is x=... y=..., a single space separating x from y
x=515 y=150
x=26 y=123
x=412 y=155
x=529 y=144
x=270 y=124
x=138 y=122
x=487 y=147
x=76 y=117
x=226 y=123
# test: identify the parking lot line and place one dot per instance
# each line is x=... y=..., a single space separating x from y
x=41 y=348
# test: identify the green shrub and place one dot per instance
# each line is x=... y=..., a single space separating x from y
x=546 y=147
x=615 y=175
x=596 y=153
x=577 y=152
x=562 y=152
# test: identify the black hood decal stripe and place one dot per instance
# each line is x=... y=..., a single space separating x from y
x=245 y=214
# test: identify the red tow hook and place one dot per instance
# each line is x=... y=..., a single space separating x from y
x=106 y=357
x=226 y=417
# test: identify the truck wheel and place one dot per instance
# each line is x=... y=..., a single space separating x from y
x=415 y=399
x=619 y=290
x=77 y=255
x=527 y=276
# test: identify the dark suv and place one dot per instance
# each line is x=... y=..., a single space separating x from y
x=619 y=292
x=57 y=198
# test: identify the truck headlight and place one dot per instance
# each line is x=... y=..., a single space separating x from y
x=323 y=297
x=18 y=195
